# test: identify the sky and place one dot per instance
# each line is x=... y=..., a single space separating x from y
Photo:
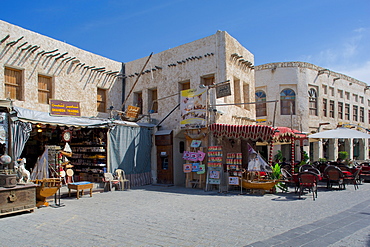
x=334 y=34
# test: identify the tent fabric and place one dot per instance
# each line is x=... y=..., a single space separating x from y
x=20 y=134
x=340 y=132
x=130 y=150
x=45 y=118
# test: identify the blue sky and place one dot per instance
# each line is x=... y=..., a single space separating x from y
x=334 y=34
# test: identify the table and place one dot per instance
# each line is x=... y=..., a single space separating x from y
x=80 y=186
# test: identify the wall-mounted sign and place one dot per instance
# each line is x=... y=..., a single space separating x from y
x=132 y=111
x=65 y=108
x=223 y=90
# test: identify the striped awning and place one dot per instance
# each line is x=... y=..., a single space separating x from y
x=260 y=133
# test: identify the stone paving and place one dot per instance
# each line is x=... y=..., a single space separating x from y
x=176 y=216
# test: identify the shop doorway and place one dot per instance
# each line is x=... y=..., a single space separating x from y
x=164 y=165
x=164 y=144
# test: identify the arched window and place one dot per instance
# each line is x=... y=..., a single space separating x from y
x=312 y=95
x=287 y=102
x=261 y=107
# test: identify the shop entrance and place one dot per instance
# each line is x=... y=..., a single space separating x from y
x=164 y=165
x=164 y=144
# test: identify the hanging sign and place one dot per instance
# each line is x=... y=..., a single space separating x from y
x=193 y=108
x=223 y=90
x=65 y=108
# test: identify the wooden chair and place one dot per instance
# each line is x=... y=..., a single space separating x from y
x=121 y=177
x=109 y=181
x=305 y=167
x=308 y=180
x=334 y=175
x=288 y=179
x=355 y=178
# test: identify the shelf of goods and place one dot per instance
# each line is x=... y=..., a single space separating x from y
x=89 y=161
x=215 y=165
x=234 y=167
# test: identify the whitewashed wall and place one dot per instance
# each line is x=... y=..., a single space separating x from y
x=72 y=81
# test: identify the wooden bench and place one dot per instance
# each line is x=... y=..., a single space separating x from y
x=80 y=186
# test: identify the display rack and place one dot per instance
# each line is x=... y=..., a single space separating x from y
x=234 y=168
x=215 y=167
x=89 y=161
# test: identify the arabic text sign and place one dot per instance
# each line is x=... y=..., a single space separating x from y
x=65 y=108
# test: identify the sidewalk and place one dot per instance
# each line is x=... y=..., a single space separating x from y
x=176 y=216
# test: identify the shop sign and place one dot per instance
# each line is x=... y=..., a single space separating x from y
x=193 y=107
x=132 y=111
x=223 y=90
x=65 y=108
x=214 y=175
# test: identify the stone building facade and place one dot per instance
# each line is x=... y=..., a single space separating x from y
x=37 y=68
x=311 y=99
x=213 y=59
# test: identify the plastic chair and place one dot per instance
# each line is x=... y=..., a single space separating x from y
x=121 y=177
x=109 y=181
x=308 y=180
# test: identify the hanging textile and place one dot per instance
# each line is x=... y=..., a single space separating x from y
x=20 y=133
x=130 y=150
x=41 y=169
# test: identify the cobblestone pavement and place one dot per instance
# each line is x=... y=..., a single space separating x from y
x=175 y=216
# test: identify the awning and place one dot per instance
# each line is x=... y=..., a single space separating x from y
x=340 y=132
x=258 y=133
x=32 y=116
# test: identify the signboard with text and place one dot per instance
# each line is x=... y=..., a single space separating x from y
x=132 y=111
x=223 y=90
x=65 y=108
x=193 y=108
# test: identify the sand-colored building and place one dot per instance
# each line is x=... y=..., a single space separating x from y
x=312 y=99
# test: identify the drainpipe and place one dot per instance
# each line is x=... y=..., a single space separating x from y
x=123 y=72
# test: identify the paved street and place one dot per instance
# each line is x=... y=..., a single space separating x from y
x=174 y=216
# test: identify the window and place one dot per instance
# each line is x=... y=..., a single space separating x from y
x=340 y=110
x=312 y=101
x=246 y=96
x=237 y=91
x=340 y=93
x=325 y=107
x=13 y=83
x=44 y=89
x=331 y=89
x=346 y=112
x=287 y=102
x=362 y=114
x=368 y=112
x=324 y=89
x=361 y=99
x=355 y=113
x=208 y=80
x=138 y=101
x=153 y=97
x=101 y=100
x=347 y=95
x=261 y=107
x=355 y=97
x=331 y=109
x=184 y=85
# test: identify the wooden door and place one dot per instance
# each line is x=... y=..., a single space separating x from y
x=164 y=164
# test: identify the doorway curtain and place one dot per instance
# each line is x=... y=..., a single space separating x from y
x=130 y=150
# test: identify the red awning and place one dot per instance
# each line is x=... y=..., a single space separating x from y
x=260 y=133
